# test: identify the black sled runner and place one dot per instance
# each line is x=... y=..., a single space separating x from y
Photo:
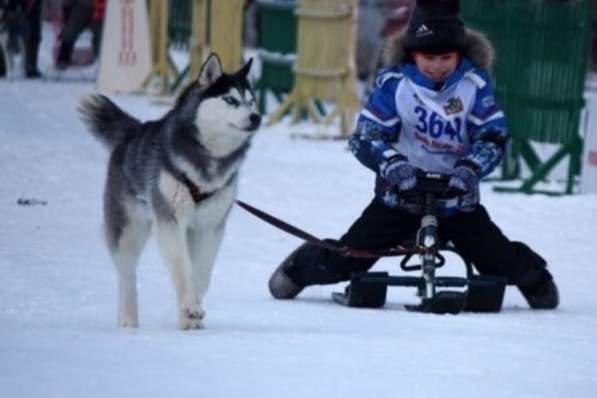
x=438 y=294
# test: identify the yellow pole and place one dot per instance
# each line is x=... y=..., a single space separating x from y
x=154 y=33
x=226 y=32
x=163 y=67
x=325 y=63
x=163 y=37
x=198 y=37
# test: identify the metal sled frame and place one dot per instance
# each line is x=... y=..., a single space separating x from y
x=476 y=293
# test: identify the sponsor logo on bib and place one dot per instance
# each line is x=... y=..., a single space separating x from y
x=453 y=105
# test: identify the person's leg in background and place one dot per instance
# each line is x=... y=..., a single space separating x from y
x=97 y=25
x=32 y=37
x=78 y=17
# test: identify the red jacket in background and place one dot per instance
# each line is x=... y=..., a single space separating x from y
x=99 y=8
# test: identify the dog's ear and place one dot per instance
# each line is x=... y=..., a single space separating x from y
x=244 y=71
x=210 y=71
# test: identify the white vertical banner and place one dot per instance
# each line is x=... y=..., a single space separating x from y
x=125 y=56
x=589 y=158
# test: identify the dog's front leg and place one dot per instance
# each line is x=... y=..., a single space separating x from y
x=204 y=246
x=172 y=240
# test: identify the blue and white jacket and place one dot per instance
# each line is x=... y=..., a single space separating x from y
x=433 y=127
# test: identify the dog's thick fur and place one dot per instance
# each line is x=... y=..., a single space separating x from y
x=178 y=173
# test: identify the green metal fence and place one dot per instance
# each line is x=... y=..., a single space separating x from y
x=542 y=55
x=277 y=26
x=277 y=42
x=179 y=23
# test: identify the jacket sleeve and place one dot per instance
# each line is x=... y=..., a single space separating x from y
x=378 y=125
x=486 y=125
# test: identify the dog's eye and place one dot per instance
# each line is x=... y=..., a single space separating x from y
x=231 y=101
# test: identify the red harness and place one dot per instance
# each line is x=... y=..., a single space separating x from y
x=196 y=193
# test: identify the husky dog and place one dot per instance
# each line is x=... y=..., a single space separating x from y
x=178 y=173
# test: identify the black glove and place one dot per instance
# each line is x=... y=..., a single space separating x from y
x=399 y=173
x=464 y=178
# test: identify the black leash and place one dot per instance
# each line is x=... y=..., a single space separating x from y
x=343 y=250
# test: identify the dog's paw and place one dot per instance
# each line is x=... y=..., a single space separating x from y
x=191 y=319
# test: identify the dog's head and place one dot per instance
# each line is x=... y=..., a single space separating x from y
x=223 y=106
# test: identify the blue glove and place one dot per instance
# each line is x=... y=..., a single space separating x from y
x=464 y=179
x=399 y=173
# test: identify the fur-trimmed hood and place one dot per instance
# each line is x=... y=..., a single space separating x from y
x=477 y=48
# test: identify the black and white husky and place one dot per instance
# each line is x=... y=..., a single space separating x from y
x=178 y=173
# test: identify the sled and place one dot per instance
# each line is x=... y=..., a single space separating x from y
x=438 y=294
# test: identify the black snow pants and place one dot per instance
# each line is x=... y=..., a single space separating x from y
x=474 y=234
x=32 y=36
x=78 y=16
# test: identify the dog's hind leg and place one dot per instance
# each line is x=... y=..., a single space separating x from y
x=204 y=246
x=127 y=229
x=172 y=240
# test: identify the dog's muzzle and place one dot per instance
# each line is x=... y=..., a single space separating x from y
x=255 y=120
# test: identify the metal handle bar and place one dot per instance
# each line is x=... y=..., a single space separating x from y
x=433 y=183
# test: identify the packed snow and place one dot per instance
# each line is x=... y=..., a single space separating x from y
x=58 y=332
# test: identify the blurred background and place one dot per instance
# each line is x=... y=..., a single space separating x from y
x=316 y=61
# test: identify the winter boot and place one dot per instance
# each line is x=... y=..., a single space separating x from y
x=280 y=284
x=544 y=296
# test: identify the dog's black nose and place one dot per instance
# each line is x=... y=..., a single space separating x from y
x=255 y=121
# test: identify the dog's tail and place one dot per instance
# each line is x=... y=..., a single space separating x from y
x=107 y=122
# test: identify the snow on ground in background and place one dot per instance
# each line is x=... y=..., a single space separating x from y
x=58 y=334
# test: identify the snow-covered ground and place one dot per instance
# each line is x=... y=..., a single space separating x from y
x=58 y=334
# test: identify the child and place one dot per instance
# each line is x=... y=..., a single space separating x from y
x=435 y=111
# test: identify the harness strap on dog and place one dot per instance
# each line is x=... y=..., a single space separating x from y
x=195 y=191
x=343 y=250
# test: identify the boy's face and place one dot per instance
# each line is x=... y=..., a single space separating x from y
x=437 y=67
